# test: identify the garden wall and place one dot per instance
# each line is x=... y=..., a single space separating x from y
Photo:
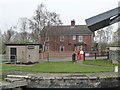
x=45 y=55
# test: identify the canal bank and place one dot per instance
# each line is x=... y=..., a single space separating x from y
x=66 y=80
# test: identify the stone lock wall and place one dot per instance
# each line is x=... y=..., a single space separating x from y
x=71 y=82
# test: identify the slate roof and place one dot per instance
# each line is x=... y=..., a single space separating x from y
x=65 y=30
x=14 y=44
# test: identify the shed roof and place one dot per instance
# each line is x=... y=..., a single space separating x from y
x=65 y=30
x=11 y=44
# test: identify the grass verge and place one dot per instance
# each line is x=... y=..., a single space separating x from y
x=57 y=67
x=99 y=62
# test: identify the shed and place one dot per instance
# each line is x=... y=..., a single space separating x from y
x=22 y=53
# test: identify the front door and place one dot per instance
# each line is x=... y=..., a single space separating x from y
x=13 y=54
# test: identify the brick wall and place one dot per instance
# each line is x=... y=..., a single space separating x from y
x=44 y=55
x=55 y=43
x=88 y=40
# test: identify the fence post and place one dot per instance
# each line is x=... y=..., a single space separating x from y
x=108 y=55
x=84 y=56
x=95 y=55
x=48 y=56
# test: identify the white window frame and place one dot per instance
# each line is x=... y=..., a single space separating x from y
x=47 y=47
x=61 y=48
x=61 y=38
x=80 y=39
x=46 y=38
x=74 y=37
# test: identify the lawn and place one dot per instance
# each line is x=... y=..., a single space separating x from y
x=60 y=67
x=99 y=62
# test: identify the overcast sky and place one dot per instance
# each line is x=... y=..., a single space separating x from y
x=79 y=10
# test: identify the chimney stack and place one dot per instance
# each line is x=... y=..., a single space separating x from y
x=72 y=23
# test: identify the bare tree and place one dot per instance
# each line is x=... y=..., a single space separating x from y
x=100 y=35
x=6 y=37
x=116 y=37
x=101 y=39
x=42 y=18
x=38 y=22
x=53 y=19
x=108 y=34
x=104 y=37
x=0 y=42
x=24 y=35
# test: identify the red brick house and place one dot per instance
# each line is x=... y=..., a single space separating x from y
x=66 y=38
